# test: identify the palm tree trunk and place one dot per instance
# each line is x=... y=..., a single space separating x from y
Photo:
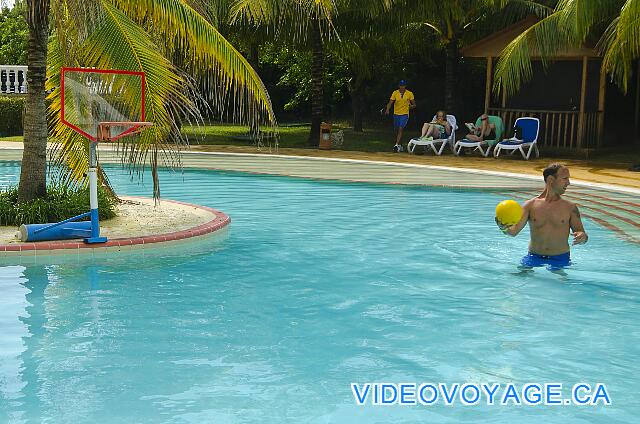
x=317 y=92
x=452 y=56
x=33 y=174
x=357 y=103
x=357 y=112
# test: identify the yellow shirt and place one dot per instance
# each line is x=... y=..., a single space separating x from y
x=401 y=102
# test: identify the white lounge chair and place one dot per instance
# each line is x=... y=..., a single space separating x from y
x=432 y=143
x=530 y=128
x=485 y=145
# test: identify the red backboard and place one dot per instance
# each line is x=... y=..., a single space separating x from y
x=92 y=96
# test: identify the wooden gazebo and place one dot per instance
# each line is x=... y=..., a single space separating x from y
x=578 y=127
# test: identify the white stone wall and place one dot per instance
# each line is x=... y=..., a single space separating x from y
x=13 y=79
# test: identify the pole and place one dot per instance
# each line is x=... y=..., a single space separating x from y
x=583 y=89
x=93 y=195
x=487 y=88
x=602 y=95
x=637 y=114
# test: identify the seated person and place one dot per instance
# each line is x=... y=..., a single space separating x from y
x=485 y=130
x=439 y=128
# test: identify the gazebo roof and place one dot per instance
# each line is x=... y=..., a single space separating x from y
x=492 y=45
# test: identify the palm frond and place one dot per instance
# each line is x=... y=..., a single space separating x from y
x=568 y=26
x=620 y=44
x=140 y=36
x=119 y=43
x=543 y=38
x=224 y=72
x=290 y=19
x=583 y=15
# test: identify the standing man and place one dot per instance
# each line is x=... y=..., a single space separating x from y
x=402 y=100
x=550 y=219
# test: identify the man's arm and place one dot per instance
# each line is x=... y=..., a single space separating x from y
x=389 y=106
x=412 y=104
x=513 y=230
x=579 y=235
x=391 y=100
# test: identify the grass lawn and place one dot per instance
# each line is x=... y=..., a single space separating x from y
x=371 y=140
x=12 y=138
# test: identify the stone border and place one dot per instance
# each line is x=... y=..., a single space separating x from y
x=219 y=221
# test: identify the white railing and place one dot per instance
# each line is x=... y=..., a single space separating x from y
x=13 y=79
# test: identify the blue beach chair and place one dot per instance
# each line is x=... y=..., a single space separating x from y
x=530 y=128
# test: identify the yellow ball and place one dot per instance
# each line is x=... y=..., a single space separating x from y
x=509 y=212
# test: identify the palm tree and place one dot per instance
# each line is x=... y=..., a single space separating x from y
x=365 y=55
x=33 y=173
x=153 y=36
x=318 y=25
x=571 y=24
x=368 y=40
x=452 y=20
x=302 y=23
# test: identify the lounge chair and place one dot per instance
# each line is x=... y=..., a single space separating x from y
x=432 y=143
x=484 y=144
x=530 y=128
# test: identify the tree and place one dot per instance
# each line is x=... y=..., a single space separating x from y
x=33 y=172
x=452 y=20
x=13 y=35
x=301 y=23
x=317 y=25
x=572 y=22
x=365 y=56
x=293 y=77
x=172 y=41
x=369 y=40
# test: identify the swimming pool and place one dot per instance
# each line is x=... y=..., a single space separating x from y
x=317 y=285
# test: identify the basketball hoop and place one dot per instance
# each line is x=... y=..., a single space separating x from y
x=102 y=105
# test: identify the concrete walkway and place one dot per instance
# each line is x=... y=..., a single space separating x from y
x=612 y=170
x=609 y=171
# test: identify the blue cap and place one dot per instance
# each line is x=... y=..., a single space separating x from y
x=402 y=82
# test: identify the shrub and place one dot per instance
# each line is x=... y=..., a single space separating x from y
x=60 y=203
x=11 y=115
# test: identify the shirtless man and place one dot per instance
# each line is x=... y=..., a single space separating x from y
x=550 y=218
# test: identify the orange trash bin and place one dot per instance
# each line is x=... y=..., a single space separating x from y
x=325 y=136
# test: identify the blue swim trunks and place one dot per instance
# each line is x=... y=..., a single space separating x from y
x=552 y=261
x=400 y=121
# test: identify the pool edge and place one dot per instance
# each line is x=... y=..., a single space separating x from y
x=65 y=247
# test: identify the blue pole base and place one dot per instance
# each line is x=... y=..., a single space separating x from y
x=92 y=240
x=64 y=231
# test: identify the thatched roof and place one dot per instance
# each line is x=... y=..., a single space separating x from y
x=492 y=45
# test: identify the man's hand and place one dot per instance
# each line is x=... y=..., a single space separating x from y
x=579 y=237
x=503 y=227
x=386 y=112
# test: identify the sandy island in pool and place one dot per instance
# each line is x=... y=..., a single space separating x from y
x=139 y=217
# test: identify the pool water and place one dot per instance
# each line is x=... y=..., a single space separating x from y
x=317 y=285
